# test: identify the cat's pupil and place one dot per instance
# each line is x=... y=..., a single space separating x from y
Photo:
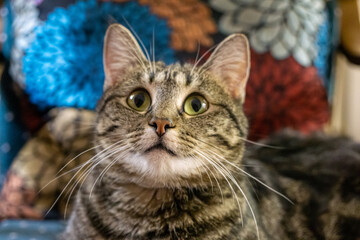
x=196 y=104
x=139 y=100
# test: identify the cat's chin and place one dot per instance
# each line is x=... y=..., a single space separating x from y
x=162 y=160
x=159 y=168
x=159 y=150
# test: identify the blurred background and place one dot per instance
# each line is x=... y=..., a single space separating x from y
x=345 y=116
x=305 y=73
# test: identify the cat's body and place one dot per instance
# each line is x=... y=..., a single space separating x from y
x=318 y=173
x=170 y=143
x=133 y=212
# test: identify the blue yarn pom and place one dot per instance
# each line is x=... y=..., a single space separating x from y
x=324 y=42
x=7 y=17
x=63 y=66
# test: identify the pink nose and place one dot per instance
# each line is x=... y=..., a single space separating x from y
x=160 y=125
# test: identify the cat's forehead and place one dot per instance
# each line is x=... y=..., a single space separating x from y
x=175 y=74
x=174 y=81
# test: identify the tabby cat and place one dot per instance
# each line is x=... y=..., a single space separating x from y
x=171 y=160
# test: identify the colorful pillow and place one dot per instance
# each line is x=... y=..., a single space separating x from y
x=31 y=230
x=44 y=172
x=56 y=53
x=295 y=38
x=289 y=66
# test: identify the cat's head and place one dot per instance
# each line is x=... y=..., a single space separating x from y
x=171 y=126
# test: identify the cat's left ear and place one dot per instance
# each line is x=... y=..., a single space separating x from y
x=121 y=53
x=230 y=63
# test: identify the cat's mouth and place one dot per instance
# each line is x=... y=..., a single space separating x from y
x=160 y=146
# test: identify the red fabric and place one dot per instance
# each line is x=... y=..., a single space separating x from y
x=284 y=94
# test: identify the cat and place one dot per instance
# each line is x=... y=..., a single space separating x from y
x=171 y=161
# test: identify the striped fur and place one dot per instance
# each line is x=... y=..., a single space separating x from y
x=199 y=185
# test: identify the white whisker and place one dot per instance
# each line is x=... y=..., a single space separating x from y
x=217 y=181
x=231 y=188
x=73 y=177
x=153 y=52
x=206 y=171
x=251 y=176
x=233 y=179
x=117 y=151
x=198 y=61
x=243 y=171
x=87 y=172
x=88 y=150
x=140 y=41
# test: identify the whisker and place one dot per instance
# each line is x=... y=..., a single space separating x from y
x=217 y=181
x=231 y=188
x=69 y=182
x=72 y=178
x=240 y=169
x=134 y=54
x=153 y=40
x=262 y=144
x=73 y=187
x=197 y=52
x=196 y=59
x=140 y=41
x=245 y=140
x=198 y=168
x=251 y=176
x=133 y=51
x=65 y=173
x=87 y=172
x=206 y=171
x=204 y=55
x=104 y=156
x=118 y=150
x=233 y=179
x=88 y=150
x=75 y=168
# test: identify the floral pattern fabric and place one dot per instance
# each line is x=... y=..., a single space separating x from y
x=31 y=230
x=56 y=57
x=56 y=65
x=283 y=27
x=296 y=91
x=25 y=20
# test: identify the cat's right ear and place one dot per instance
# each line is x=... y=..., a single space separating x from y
x=230 y=62
x=121 y=53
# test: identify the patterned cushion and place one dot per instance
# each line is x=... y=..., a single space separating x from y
x=52 y=41
x=45 y=166
x=292 y=37
x=30 y=230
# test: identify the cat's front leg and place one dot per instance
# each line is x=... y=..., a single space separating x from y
x=79 y=227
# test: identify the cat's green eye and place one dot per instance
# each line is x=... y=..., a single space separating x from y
x=195 y=104
x=139 y=100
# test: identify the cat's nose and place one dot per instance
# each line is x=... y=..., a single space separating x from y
x=161 y=125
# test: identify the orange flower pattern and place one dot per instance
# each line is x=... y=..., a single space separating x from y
x=190 y=20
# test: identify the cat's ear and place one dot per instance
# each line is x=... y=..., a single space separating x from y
x=230 y=63
x=121 y=53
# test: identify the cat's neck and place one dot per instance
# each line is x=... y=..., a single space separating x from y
x=176 y=211
x=143 y=195
x=145 y=198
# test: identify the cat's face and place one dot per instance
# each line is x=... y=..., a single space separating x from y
x=170 y=126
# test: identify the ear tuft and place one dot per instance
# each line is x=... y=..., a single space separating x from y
x=121 y=53
x=230 y=63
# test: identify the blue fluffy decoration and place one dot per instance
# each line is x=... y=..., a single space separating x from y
x=63 y=66
x=324 y=42
x=7 y=17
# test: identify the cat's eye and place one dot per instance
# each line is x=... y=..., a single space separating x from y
x=139 y=100
x=195 y=104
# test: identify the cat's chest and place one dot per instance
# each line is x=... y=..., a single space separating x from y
x=162 y=213
x=140 y=200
